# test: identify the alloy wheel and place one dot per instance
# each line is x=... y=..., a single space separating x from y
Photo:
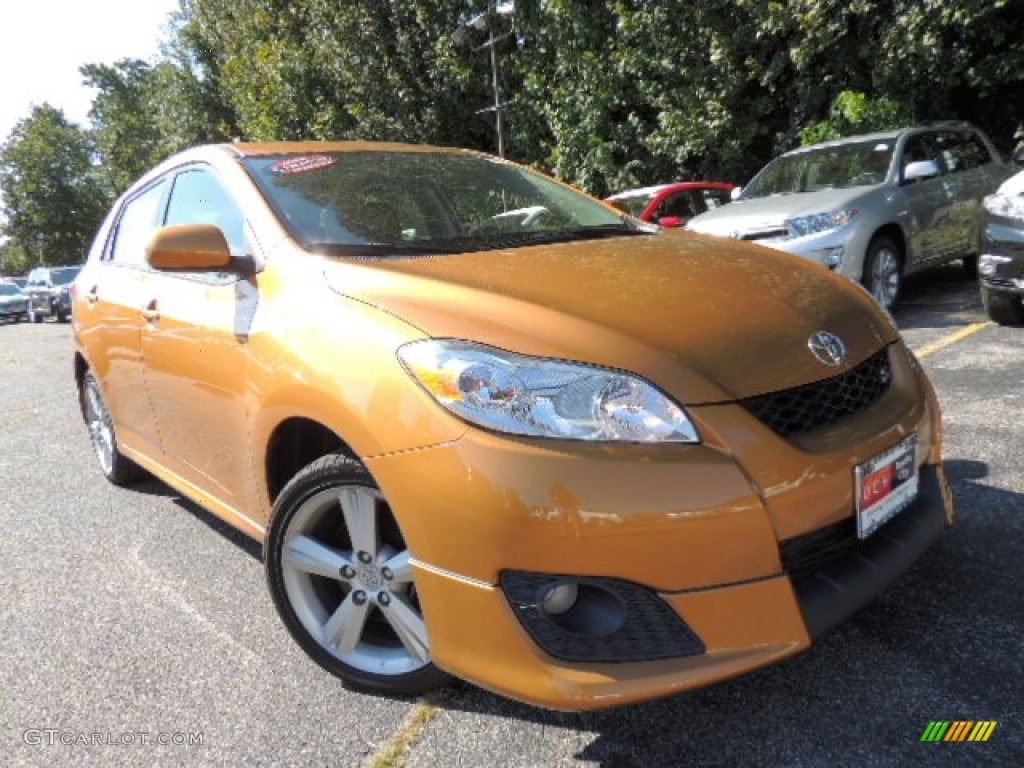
x=885 y=276
x=101 y=433
x=347 y=576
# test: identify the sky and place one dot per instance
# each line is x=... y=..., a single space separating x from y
x=44 y=42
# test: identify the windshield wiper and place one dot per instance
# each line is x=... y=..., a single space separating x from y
x=597 y=232
x=382 y=249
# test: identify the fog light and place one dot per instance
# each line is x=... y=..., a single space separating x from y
x=833 y=257
x=560 y=598
x=989 y=262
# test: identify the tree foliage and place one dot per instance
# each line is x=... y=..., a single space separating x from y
x=52 y=197
x=606 y=94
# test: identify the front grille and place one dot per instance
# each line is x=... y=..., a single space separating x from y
x=765 y=234
x=1001 y=282
x=803 y=555
x=797 y=411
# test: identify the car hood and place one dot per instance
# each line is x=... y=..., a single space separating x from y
x=762 y=213
x=707 y=320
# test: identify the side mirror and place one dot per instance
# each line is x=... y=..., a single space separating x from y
x=671 y=221
x=189 y=248
x=921 y=169
x=735 y=193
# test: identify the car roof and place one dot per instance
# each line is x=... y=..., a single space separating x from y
x=885 y=135
x=859 y=139
x=640 y=191
x=659 y=188
x=254 y=149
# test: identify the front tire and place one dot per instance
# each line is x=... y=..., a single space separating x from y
x=342 y=581
x=118 y=469
x=1003 y=308
x=883 y=271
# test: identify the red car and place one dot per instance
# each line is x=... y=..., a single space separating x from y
x=672 y=205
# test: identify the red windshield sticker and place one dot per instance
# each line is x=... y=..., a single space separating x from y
x=303 y=164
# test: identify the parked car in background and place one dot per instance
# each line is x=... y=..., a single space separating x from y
x=1001 y=249
x=874 y=208
x=13 y=302
x=564 y=461
x=672 y=205
x=49 y=292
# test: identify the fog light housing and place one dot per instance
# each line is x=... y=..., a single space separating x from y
x=586 y=618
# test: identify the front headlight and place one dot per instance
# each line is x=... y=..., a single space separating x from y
x=538 y=397
x=1007 y=206
x=819 y=222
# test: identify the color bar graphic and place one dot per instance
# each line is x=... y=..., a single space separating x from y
x=958 y=730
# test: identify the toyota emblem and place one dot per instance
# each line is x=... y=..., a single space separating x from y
x=827 y=347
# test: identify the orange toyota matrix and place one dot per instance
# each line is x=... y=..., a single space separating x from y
x=487 y=426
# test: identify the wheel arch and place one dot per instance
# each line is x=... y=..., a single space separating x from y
x=81 y=367
x=894 y=232
x=295 y=443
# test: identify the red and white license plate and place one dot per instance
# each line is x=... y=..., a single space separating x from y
x=885 y=485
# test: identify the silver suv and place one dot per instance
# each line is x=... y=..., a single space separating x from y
x=874 y=207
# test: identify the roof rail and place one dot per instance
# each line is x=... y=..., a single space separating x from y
x=942 y=124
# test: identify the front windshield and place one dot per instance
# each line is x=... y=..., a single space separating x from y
x=634 y=204
x=830 y=167
x=6 y=289
x=64 y=276
x=381 y=202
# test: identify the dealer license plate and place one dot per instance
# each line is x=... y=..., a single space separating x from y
x=885 y=485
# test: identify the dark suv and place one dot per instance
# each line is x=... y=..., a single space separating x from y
x=49 y=292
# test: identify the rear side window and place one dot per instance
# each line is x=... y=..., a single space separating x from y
x=963 y=151
x=139 y=219
x=199 y=198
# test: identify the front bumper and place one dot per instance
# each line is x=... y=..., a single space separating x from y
x=847 y=243
x=743 y=627
x=13 y=309
x=51 y=304
x=704 y=528
x=1001 y=256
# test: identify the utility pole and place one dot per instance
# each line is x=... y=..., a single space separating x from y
x=490 y=21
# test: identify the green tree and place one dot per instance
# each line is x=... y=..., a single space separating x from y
x=124 y=128
x=52 y=198
x=14 y=260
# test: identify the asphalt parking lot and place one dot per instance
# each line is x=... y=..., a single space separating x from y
x=132 y=613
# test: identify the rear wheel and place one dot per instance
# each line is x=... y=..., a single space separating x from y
x=118 y=469
x=883 y=271
x=62 y=316
x=341 y=578
x=1003 y=308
